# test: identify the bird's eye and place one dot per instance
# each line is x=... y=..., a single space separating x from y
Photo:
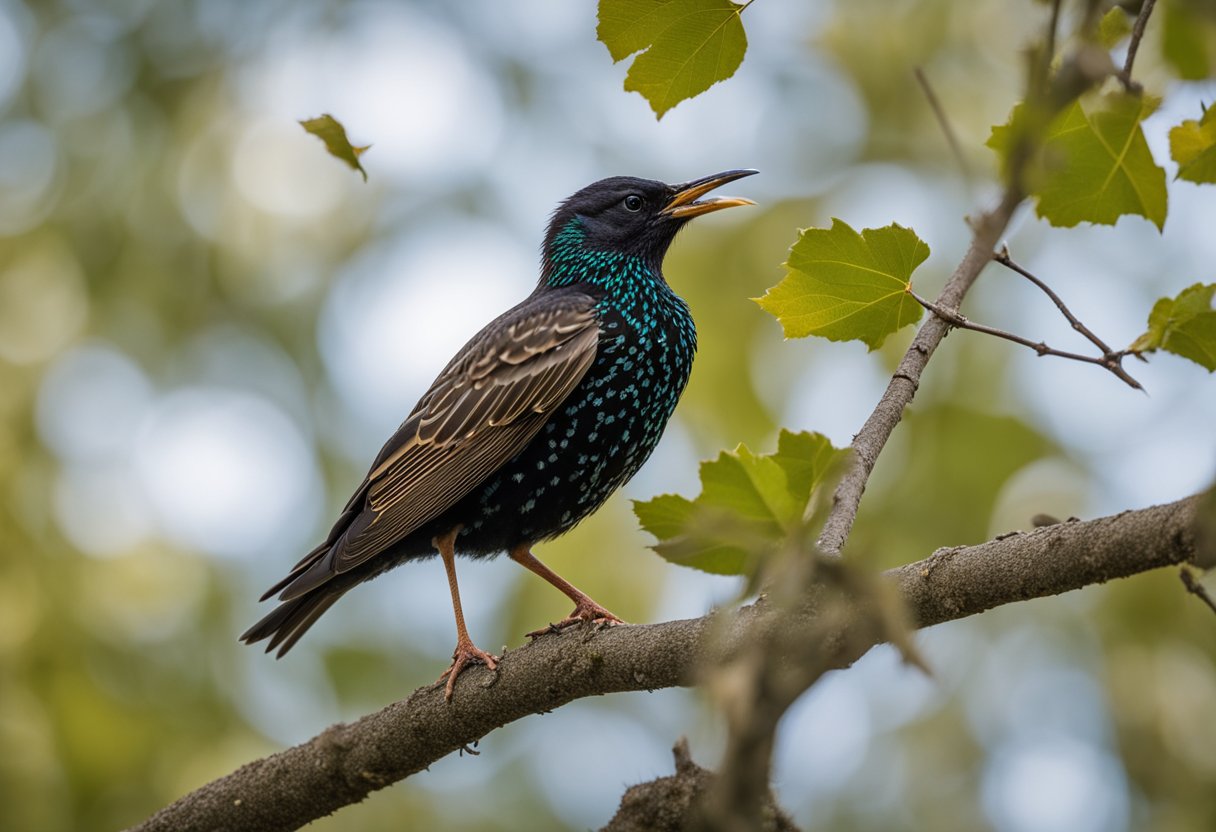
x=633 y=202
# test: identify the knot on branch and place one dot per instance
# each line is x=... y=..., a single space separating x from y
x=668 y=803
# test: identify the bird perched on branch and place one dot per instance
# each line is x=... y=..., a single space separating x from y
x=534 y=423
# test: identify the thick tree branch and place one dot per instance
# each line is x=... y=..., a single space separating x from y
x=347 y=762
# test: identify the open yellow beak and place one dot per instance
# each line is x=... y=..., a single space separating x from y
x=686 y=202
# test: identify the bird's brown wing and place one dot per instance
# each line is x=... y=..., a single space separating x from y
x=482 y=409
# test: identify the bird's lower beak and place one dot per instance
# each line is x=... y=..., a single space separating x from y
x=686 y=202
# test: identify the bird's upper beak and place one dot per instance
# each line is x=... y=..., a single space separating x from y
x=684 y=203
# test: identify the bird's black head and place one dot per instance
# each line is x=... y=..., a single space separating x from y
x=630 y=216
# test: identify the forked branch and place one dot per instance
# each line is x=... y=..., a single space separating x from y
x=1005 y=260
x=1111 y=361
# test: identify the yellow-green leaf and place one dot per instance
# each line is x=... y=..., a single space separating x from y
x=1107 y=169
x=329 y=130
x=1093 y=164
x=686 y=46
x=846 y=286
x=748 y=504
x=1193 y=147
x=1185 y=326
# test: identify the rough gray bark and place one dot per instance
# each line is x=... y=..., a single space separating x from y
x=663 y=805
x=347 y=762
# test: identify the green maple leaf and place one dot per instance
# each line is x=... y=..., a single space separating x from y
x=686 y=46
x=329 y=130
x=1185 y=326
x=847 y=286
x=747 y=505
x=1193 y=147
x=1094 y=164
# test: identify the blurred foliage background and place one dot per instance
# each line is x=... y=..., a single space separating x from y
x=207 y=327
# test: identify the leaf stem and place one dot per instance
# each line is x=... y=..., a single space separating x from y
x=1110 y=361
x=1137 y=34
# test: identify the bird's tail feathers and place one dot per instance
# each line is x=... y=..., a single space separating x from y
x=291 y=619
x=309 y=563
x=298 y=570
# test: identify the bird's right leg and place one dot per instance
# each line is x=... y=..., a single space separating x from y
x=585 y=609
x=466 y=651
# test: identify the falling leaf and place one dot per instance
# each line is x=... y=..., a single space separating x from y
x=329 y=130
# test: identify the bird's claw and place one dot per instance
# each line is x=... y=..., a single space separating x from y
x=466 y=653
x=590 y=613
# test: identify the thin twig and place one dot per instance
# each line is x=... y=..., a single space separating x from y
x=944 y=123
x=1110 y=361
x=1195 y=588
x=1005 y=260
x=1132 y=47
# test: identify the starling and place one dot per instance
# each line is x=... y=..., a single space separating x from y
x=534 y=423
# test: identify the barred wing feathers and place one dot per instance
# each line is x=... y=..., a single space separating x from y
x=485 y=407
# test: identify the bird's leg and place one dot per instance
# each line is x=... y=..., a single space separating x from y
x=465 y=651
x=584 y=608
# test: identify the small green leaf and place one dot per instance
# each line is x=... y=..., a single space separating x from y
x=1094 y=164
x=1193 y=147
x=846 y=286
x=686 y=46
x=807 y=459
x=1116 y=24
x=329 y=130
x=747 y=505
x=1185 y=326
